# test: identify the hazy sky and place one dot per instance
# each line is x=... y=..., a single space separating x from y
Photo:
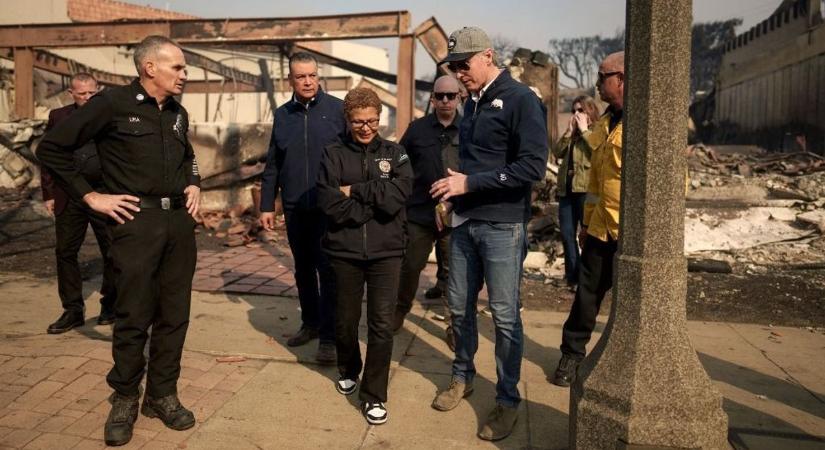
x=530 y=23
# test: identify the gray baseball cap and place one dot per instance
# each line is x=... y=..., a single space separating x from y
x=465 y=43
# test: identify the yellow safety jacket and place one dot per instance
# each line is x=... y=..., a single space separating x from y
x=601 y=207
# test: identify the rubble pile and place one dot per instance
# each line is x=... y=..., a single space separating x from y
x=17 y=162
x=237 y=228
x=756 y=210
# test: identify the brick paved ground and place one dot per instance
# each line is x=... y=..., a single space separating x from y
x=265 y=271
x=60 y=399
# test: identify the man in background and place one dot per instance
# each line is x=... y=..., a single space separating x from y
x=303 y=127
x=599 y=235
x=432 y=145
x=72 y=218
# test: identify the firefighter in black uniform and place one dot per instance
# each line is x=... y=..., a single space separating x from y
x=152 y=181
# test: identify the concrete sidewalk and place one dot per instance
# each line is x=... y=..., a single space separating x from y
x=53 y=392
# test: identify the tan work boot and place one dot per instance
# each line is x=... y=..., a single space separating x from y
x=500 y=423
x=450 y=398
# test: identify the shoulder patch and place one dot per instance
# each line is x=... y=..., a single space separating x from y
x=403 y=157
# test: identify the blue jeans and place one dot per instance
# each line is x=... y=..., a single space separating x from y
x=571 y=212
x=493 y=253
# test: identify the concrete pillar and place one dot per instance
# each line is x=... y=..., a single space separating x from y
x=24 y=83
x=643 y=386
x=405 y=84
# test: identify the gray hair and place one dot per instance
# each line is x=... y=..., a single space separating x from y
x=81 y=77
x=149 y=46
x=302 y=57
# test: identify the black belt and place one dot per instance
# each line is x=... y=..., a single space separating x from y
x=163 y=202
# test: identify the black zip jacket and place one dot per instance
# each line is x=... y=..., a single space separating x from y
x=503 y=148
x=299 y=135
x=432 y=148
x=143 y=150
x=370 y=223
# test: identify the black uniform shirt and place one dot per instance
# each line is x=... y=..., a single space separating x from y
x=432 y=149
x=143 y=150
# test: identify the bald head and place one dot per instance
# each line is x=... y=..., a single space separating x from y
x=445 y=99
x=614 y=62
x=446 y=83
x=610 y=83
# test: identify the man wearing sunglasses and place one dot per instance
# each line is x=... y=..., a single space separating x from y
x=503 y=148
x=432 y=145
x=600 y=232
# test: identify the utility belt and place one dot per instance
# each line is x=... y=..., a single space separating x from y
x=165 y=203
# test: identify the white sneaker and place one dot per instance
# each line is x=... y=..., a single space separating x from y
x=346 y=386
x=375 y=412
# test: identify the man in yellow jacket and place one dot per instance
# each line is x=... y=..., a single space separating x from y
x=600 y=233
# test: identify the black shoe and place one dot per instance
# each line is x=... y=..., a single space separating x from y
x=169 y=410
x=374 y=412
x=566 y=371
x=303 y=336
x=398 y=320
x=326 y=354
x=346 y=385
x=121 y=420
x=435 y=292
x=66 y=322
x=107 y=315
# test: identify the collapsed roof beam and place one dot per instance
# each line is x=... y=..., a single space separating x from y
x=60 y=65
x=208 y=31
x=230 y=73
x=369 y=72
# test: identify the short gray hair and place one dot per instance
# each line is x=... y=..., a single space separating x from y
x=81 y=77
x=303 y=57
x=149 y=46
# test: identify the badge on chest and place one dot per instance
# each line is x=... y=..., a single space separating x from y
x=384 y=167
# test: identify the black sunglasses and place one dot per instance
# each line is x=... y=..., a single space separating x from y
x=604 y=76
x=443 y=95
x=581 y=110
x=455 y=66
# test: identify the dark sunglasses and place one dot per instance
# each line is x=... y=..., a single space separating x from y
x=443 y=95
x=604 y=76
x=455 y=66
x=581 y=110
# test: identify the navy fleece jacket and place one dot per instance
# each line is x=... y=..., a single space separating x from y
x=503 y=151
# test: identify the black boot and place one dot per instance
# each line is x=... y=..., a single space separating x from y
x=169 y=410
x=107 y=315
x=566 y=371
x=121 y=421
x=66 y=322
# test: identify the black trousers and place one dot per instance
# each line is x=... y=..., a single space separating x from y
x=595 y=279
x=381 y=279
x=70 y=229
x=420 y=241
x=304 y=231
x=154 y=259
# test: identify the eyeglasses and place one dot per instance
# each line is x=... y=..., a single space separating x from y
x=358 y=124
x=581 y=110
x=443 y=95
x=604 y=76
x=456 y=66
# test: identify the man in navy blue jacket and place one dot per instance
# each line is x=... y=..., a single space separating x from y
x=502 y=151
x=302 y=128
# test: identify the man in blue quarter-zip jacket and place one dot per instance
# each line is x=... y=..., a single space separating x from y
x=502 y=151
x=303 y=127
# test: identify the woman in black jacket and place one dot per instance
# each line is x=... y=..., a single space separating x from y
x=362 y=188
